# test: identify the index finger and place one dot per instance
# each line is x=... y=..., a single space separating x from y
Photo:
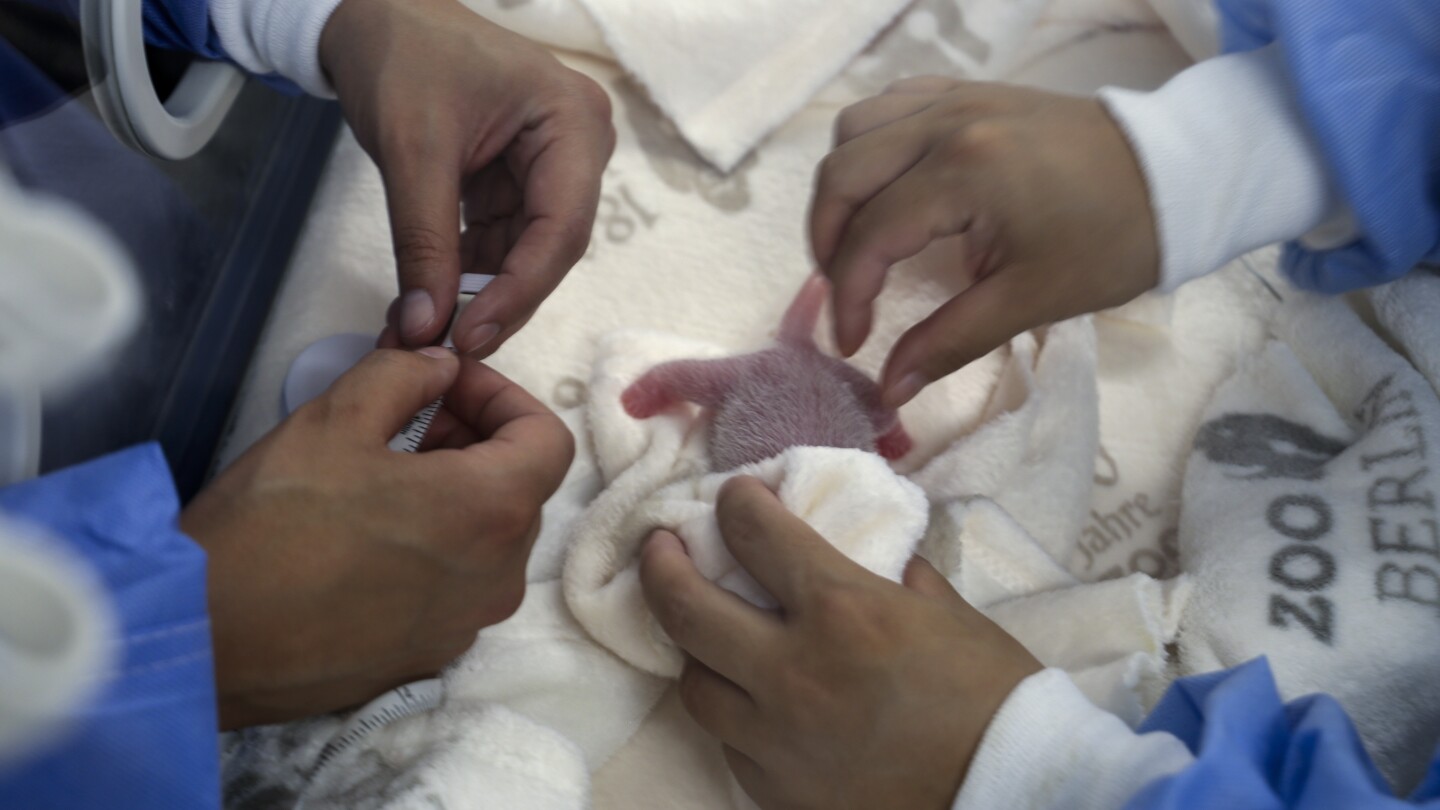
x=849 y=179
x=787 y=557
x=896 y=224
x=561 y=195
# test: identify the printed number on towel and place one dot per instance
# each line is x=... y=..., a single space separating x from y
x=619 y=218
x=1302 y=568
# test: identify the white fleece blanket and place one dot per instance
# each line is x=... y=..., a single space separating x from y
x=1310 y=523
x=656 y=477
x=594 y=678
x=1051 y=470
x=728 y=74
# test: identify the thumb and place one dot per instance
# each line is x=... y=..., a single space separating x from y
x=387 y=387
x=423 y=195
x=921 y=577
x=964 y=329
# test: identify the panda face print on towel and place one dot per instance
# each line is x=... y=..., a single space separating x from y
x=790 y=395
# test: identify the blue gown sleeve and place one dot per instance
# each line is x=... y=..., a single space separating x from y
x=184 y=25
x=150 y=739
x=1367 y=77
x=1256 y=752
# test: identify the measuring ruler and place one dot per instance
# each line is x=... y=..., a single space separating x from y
x=409 y=438
x=397 y=704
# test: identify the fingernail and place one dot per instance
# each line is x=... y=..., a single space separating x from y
x=476 y=338
x=417 y=312
x=437 y=352
x=905 y=390
x=662 y=540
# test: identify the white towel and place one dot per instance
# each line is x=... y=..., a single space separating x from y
x=1160 y=360
x=1011 y=501
x=459 y=758
x=543 y=665
x=675 y=241
x=976 y=39
x=1309 y=522
x=1033 y=453
x=656 y=478
x=1008 y=500
x=682 y=249
x=1406 y=314
x=727 y=74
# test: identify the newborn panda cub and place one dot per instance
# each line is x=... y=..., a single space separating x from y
x=791 y=395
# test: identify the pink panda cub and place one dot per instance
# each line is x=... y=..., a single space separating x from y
x=791 y=395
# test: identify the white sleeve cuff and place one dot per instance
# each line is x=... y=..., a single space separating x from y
x=1049 y=747
x=1230 y=163
x=276 y=36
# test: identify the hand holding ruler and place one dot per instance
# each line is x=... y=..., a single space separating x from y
x=409 y=438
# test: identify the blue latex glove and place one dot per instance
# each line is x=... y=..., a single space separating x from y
x=1368 y=79
x=1255 y=752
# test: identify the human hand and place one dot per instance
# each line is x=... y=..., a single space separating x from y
x=859 y=693
x=339 y=568
x=1048 y=195
x=455 y=109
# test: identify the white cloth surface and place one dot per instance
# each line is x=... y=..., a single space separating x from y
x=1309 y=536
x=1160 y=359
x=996 y=562
x=728 y=74
x=1033 y=459
x=544 y=665
x=1404 y=314
x=1310 y=525
x=713 y=67
x=1037 y=443
x=562 y=24
x=850 y=497
x=1230 y=163
x=460 y=757
x=276 y=36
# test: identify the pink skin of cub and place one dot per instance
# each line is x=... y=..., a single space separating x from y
x=791 y=395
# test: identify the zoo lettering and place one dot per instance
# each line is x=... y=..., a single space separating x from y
x=1306 y=570
x=1122 y=525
